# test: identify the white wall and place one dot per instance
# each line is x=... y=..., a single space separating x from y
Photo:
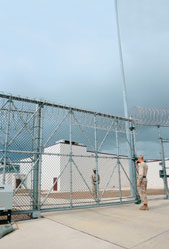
x=86 y=165
x=10 y=178
x=25 y=171
x=154 y=181
x=50 y=167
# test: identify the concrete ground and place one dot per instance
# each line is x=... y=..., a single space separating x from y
x=114 y=227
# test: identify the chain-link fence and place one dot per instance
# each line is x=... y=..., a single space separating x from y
x=59 y=157
x=152 y=140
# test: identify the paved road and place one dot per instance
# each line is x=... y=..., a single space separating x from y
x=114 y=227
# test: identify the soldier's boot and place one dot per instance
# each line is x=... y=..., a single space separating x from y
x=144 y=207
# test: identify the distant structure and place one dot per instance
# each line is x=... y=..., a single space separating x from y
x=54 y=165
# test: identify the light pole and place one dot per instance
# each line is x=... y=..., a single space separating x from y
x=121 y=62
x=124 y=93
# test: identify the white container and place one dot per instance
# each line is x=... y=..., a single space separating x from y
x=6 y=196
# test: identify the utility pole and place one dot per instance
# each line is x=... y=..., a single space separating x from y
x=121 y=63
x=131 y=166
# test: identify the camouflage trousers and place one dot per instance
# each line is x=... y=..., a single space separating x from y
x=94 y=190
x=143 y=191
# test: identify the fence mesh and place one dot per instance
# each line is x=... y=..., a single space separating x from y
x=48 y=153
x=152 y=140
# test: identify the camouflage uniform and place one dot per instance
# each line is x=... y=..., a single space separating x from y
x=142 y=181
x=94 y=187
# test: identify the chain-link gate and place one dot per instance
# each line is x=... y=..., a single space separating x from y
x=49 y=154
x=153 y=124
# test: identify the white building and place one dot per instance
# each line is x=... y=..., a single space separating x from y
x=82 y=168
x=154 y=180
x=56 y=165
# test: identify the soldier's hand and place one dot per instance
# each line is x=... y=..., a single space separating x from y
x=138 y=185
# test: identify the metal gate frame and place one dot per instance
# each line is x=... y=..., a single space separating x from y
x=37 y=151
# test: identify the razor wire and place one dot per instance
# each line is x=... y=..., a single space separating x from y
x=150 y=116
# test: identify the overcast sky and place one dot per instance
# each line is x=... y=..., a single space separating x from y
x=67 y=52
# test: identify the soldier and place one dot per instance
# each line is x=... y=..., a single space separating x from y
x=94 y=187
x=142 y=169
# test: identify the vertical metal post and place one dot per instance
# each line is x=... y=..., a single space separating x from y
x=40 y=157
x=132 y=168
x=38 y=160
x=163 y=164
x=70 y=156
x=96 y=156
x=118 y=161
x=6 y=140
x=124 y=92
x=132 y=162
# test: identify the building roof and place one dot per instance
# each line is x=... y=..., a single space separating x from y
x=62 y=141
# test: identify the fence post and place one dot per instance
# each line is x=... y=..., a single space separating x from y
x=6 y=140
x=163 y=165
x=132 y=161
x=70 y=155
x=96 y=156
x=118 y=160
x=38 y=160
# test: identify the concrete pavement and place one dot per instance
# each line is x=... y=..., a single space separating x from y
x=113 y=227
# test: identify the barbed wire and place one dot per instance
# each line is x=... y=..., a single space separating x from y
x=150 y=116
x=24 y=108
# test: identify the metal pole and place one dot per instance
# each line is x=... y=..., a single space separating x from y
x=38 y=160
x=124 y=89
x=6 y=140
x=118 y=162
x=132 y=162
x=121 y=62
x=163 y=165
x=164 y=170
x=70 y=156
x=96 y=156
